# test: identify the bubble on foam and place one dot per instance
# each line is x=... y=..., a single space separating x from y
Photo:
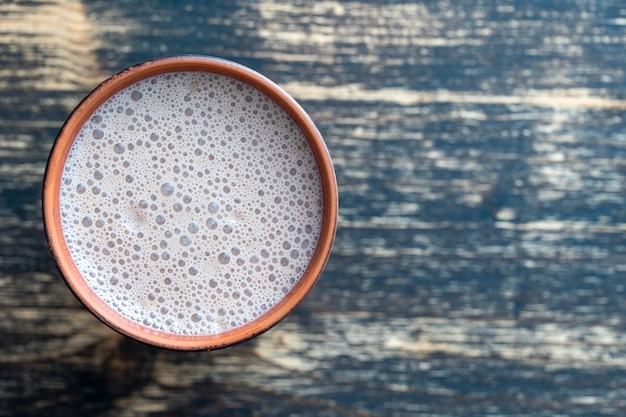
x=185 y=240
x=167 y=189
x=211 y=223
x=119 y=148
x=136 y=95
x=97 y=134
x=199 y=196
x=223 y=258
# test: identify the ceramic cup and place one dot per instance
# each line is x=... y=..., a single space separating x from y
x=63 y=237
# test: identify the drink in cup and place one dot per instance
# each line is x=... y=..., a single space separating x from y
x=190 y=203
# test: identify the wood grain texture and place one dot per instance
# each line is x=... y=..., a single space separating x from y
x=479 y=264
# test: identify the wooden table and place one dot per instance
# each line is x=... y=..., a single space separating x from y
x=479 y=265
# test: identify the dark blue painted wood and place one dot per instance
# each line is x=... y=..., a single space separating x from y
x=479 y=264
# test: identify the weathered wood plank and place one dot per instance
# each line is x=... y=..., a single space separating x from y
x=479 y=261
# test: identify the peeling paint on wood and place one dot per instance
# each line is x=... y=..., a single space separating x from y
x=479 y=266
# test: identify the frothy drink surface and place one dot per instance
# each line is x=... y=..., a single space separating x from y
x=191 y=203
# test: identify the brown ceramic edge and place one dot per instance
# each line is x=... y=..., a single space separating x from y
x=60 y=252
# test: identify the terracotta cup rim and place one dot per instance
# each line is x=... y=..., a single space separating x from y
x=51 y=205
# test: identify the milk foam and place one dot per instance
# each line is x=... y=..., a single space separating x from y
x=191 y=203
